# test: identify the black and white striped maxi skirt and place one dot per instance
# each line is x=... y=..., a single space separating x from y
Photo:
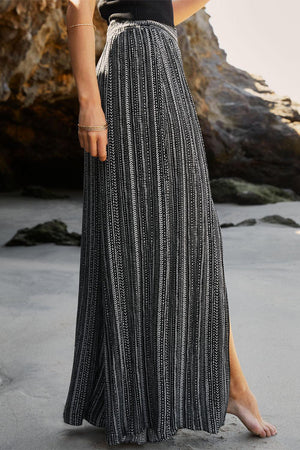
x=152 y=331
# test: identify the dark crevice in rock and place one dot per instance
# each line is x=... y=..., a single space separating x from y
x=41 y=192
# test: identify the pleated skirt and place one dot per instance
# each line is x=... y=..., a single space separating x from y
x=151 y=351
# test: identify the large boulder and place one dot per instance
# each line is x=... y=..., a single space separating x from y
x=249 y=131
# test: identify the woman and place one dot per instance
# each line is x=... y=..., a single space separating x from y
x=153 y=349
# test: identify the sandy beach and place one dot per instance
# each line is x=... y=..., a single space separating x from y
x=38 y=311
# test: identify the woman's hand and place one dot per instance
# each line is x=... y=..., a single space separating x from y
x=93 y=142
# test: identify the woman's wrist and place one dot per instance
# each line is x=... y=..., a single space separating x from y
x=88 y=102
x=91 y=114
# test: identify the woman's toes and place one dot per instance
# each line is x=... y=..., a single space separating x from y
x=263 y=433
x=259 y=430
x=267 y=430
x=271 y=427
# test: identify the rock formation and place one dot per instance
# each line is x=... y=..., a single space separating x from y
x=237 y=190
x=249 y=131
x=54 y=231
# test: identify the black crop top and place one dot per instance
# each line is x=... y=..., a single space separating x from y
x=159 y=10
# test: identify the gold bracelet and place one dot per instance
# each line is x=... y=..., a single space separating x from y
x=93 y=128
x=88 y=126
x=82 y=25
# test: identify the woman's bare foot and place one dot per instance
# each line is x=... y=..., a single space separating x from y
x=242 y=403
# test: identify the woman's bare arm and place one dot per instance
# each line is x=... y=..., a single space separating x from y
x=81 y=41
x=183 y=9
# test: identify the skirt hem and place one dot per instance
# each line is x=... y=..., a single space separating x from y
x=149 y=434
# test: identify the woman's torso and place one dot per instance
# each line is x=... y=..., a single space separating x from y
x=159 y=10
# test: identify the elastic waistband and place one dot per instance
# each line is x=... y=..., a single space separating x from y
x=116 y=25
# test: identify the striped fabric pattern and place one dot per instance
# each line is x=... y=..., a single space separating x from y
x=152 y=332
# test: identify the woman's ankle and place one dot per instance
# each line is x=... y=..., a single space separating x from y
x=238 y=388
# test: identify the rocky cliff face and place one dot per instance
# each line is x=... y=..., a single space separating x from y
x=249 y=131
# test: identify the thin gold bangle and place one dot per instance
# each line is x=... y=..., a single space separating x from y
x=93 y=127
x=82 y=25
x=84 y=126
